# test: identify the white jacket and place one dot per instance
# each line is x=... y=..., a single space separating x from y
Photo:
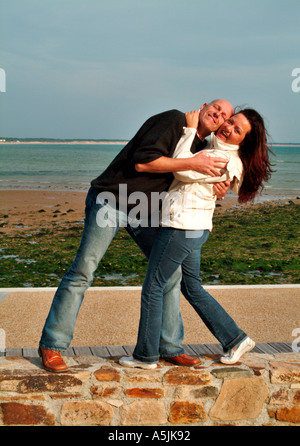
x=190 y=201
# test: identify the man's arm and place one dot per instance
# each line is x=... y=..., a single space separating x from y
x=200 y=163
x=164 y=164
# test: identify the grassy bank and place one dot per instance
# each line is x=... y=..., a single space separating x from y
x=256 y=244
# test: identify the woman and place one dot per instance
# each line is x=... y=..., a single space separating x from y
x=186 y=224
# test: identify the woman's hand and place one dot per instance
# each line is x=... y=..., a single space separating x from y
x=192 y=118
x=221 y=189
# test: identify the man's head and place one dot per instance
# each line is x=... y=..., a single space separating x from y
x=213 y=115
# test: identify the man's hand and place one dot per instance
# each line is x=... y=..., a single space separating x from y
x=209 y=165
x=221 y=189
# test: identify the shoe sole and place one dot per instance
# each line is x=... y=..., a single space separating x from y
x=136 y=366
x=179 y=363
x=54 y=371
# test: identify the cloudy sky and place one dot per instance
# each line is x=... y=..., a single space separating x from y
x=100 y=68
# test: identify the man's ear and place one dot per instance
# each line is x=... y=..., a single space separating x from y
x=202 y=106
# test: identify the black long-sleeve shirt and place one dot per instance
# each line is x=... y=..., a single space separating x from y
x=157 y=137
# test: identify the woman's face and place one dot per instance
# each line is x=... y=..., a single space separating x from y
x=234 y=130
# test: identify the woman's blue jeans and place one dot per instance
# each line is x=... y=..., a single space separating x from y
x=174 y=248
x=102 y=222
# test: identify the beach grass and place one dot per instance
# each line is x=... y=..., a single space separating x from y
x=248 y=245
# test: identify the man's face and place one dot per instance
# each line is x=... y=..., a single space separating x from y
x=214 y=114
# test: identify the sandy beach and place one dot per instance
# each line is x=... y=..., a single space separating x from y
x=30 y=210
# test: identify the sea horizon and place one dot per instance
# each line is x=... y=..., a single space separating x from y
x=98 y=141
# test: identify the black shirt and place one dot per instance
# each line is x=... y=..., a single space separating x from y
x=157 y=137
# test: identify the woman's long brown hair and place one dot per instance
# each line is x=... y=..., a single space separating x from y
x=254 y=154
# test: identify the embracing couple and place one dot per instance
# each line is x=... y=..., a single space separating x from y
x=168 y=154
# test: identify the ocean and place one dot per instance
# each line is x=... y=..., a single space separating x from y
x=71 y=166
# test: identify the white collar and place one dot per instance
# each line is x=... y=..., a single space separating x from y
x=217 y=143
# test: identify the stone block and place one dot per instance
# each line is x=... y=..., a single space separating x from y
x=296 y=397
x=231 y=372
x=185 y=376
x=257 y=367
x=185 y=412
x=135 y=375
x=26 y=414
x=106 y=391
x=289 y=414
x=145 y=392
x=284 y=372
x=205 y=392
x=194 y=392
x=240 y=399
x=281 y=396
x=107 y=373
x=42 y=382
x=86 y=413
x=143 y=412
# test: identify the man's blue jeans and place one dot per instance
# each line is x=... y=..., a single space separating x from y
x=98 y=233
x=174 y=248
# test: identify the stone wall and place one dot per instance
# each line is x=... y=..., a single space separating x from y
x=262 y=390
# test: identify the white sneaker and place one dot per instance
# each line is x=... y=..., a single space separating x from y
x=234 y=355
x=130 y=361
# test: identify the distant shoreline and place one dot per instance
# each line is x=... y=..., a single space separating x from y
x=66 y=142
x=285 y=145
x=108 y=142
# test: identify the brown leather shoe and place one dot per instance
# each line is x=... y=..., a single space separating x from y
x=52 y=360
x=184 y=359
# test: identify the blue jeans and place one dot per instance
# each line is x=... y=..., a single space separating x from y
x=172 y=330
x=97 y=235
x=174 y=248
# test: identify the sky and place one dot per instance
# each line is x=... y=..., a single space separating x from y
x=99 y=68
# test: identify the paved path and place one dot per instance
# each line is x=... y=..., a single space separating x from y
x=108 y=317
